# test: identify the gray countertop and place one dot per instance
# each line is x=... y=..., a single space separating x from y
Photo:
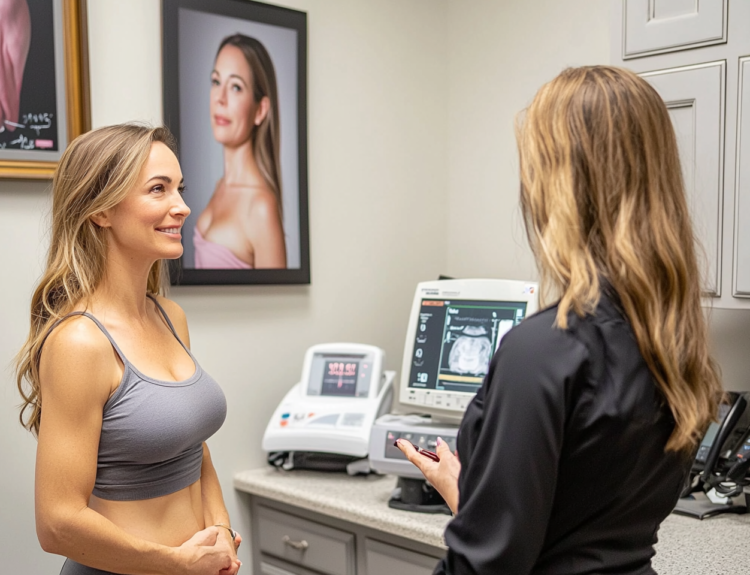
x=715 y=546
x=361 y=499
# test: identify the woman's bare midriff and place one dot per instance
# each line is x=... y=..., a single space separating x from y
x=169 y=520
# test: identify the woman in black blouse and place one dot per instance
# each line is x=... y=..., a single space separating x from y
x=576 y=447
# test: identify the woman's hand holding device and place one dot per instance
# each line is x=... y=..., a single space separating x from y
x=442 y=474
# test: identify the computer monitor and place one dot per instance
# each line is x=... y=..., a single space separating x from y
x=455 y=327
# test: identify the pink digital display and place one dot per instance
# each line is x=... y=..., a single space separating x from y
x=340 y=378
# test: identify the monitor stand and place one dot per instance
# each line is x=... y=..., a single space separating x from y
x=417 y=495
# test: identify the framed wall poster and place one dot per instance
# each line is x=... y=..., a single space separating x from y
x=43 y=83
x=235 y=97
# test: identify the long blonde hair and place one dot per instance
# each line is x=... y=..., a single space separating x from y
x=604 y=201
x=95 y=173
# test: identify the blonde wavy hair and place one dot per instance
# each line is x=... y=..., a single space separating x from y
x=603 y=200
x=95 y=173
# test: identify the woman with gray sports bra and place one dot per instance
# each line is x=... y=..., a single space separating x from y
x=121 y=408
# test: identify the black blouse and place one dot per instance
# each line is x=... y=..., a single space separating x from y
x=562 y=454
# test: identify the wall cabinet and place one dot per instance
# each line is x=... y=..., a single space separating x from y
x=697 y=56
x=657 y=26
x=742 y=193
x=695 y=99
x=288 y=540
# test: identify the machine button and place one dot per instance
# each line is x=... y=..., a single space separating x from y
x=429 y=399
x=449 y=399
x=284 y=416
x=329 y=419
x=353 y=419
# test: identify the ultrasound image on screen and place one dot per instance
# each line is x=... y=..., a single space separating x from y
x=340 y=378
x=456 y=339
x=469 y=340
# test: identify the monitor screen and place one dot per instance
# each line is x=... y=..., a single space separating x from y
x=340 y=375
x=455 y=340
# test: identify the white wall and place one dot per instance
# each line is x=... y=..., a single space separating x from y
x=23 y=207
x=500 y=55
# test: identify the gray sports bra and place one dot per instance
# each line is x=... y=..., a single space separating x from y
x=152 y=430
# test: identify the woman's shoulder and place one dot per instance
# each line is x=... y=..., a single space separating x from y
x=172 y=308
x=175 y=314
x=538 y=343
x=263 y=214
x=544 y=322
x=540 y=331
x=75 y=342
x=264 y=201
x=78 y=335
x=539 y=327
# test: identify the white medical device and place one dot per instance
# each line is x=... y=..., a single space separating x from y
x=455 y=327
x=331 y=410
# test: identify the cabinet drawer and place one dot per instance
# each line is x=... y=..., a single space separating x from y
x=385 y=559
x=305 y=542
x=274 y=566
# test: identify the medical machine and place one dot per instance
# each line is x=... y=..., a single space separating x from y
x=454 y=328
x=324 y=421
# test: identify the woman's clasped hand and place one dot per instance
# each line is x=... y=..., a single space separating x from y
x=211 y=552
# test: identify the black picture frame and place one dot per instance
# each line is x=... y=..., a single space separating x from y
x=179 y=97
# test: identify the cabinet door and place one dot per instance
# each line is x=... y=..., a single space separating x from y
x=742 y=193
x=384 y=559
x=656 y=26
x=694 y=96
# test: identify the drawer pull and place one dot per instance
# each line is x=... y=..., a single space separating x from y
x=298 y=545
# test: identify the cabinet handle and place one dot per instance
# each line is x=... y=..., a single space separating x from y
x=299 y=545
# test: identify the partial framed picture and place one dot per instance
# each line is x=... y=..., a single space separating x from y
x=235 y=97
x=43 y=84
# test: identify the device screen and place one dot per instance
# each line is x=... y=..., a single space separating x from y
x=456 y=339
x=708 y=439
x=340 y=375
x=340 y=378
x=711 y=432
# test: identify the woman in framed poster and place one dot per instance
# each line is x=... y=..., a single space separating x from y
x=43 y=92
x=241 y=226
x=235 y=97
